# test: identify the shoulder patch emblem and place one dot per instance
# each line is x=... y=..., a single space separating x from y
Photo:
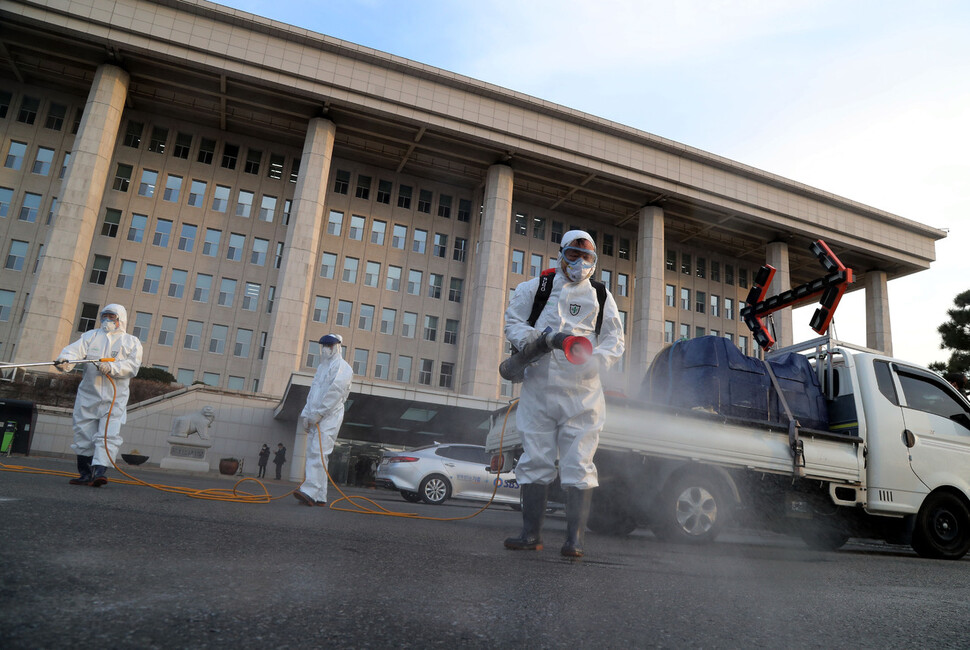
x=573 y=309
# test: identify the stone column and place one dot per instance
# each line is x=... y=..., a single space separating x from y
x=777 y=256
x=288 y=327
x=49 y=322
x=647 y=335
x=879 y=333
x=484 y=336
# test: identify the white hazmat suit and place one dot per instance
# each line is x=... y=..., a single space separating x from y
x=561 y=407
x=324 y=408
x=95 y=395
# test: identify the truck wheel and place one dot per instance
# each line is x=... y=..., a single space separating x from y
x=822 y=537
x=609 y=514
x=942 y=528
x=435 y=490
x=691 y=509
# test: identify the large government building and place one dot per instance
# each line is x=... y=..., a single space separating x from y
x=244 y=186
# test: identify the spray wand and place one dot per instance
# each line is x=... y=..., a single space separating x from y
x=8 y=366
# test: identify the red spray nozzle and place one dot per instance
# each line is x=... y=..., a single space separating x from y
x=578 y=349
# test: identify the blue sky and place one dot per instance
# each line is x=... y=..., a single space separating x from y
x=866 y=99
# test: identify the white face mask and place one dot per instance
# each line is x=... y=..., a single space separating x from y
x=577 y=270
x=328 y=352
x=109 y=326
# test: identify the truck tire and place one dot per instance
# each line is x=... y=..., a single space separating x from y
x=822 y=537
x=942 y=527
x=610 y=513
x=691 y=509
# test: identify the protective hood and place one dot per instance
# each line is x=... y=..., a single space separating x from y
x=122 y=314
x=578 y=269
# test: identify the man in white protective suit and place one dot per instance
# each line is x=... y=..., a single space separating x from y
x=324 y=410
x=99 y=408
x=561 y=407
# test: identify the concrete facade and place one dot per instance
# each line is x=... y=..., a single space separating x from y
x=249 y=186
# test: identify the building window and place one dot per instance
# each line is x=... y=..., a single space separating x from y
x=743 y=278
x=365 y=319
x=183 y=142
x=207 y=149
x=244 y=204
x=729 y=274
x=388 y=320
x=17 y=253
x=227 y=292
x=399 y=236
x=270 y=299
x=328 y=265
x=669 y=295
x=622 y=286
x=685 y=265
x=446 y=377
x=384 y=191
x=624 y=251
x=244 y=341
x=30 y=207
x=42 y=162
x=262 y=345
x=210 y=379
x=363 y=187
x=344 y=308
x=321 y=309
x=6 y=197
x=606 y=277
x=404 y=197
x=607 y=246
x=444 y=206
x=341 y=181
x=217 y=339
x=55 y=117
x=122 y=178
x=276 y=163
x=176 y=287
x=173 y=185
x=382 y=365
x=700 y=303
x=464 y=210
x=88 y=320
x=230 y=153
x=156 y=143
x=99 y=270
x=149 y=178
x=153 y=277
x=415 y=278
x=133 y=134
x=715 y=306
x=701 y=268
x=356 y=231
x=250 y=301
x=350 y=270
x=685 y=299
x=166 y=333
x=430 y=328
x=715 y=271
x=143 y=324
x=403 y=369
x=729 y=309
x=295 y=170
x=409 y=325
x=360 y=361
x=253 y=158
x=203 y=287
x=521 y=224
x=684 y=331
x=5 y=98
x=435 y=282
x=210 y=247
x=163 y=230
x=193 y=335
x=557 y=232
x=456 y=289
x=185 y=376
x=461 y=247
x=377 y=229
x=50 y=213
x=451 y=331
x=126 y=274
x=426 y=372
x=334 y=223
x=372 y=274
x=440 y=245
x=267 y=208
x=187 y=237
x=671 y=260
x=234 y=251
x=197 y=194
x=136 y=230
x=424 y=201
x=518 y=261
x=420 y=242
x=393 y=281
x=260 y=251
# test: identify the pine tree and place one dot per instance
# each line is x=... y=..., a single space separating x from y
x=956 y=334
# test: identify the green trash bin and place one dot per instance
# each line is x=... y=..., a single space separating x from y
x=9 y=430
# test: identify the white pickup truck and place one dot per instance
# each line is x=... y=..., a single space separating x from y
x=890 y=460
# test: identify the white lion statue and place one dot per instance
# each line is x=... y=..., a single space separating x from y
x=199 y=422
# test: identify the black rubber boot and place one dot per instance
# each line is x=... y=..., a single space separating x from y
x=534 y=498
x=97 y=477
x=577 y=512
x=84 y=469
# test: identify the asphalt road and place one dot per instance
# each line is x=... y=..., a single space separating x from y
x=131 y=567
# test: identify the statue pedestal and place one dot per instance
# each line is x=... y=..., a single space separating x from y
x=187 y=454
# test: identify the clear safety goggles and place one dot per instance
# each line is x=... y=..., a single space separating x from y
x=573 y=253
x=109 y=316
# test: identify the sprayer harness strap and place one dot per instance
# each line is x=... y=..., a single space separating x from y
x=796 y=445
x=545 y=288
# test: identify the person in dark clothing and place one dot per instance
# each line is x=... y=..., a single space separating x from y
x=263 y=459
x=279 y=459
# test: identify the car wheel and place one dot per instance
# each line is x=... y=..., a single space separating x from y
x=942 y=528
x=692 y=509
x=413 y=497
x=435 y=489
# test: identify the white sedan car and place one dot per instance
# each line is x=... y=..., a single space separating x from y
x=435 y=473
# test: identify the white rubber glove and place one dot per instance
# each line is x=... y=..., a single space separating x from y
x=305 y=424
x=63 y=365
x=104 y=367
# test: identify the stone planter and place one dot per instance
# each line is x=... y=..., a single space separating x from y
x=228 y=466
x=134 y=459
